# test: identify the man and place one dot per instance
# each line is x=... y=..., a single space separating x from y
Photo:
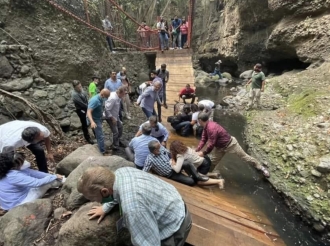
x=147 y=99
x=95 y=114
x=162 y=34
x=112 y=108
x=165 y=76
x=16 y=134
x=187 y=93
x=159 y=161
x=176 y=24
x=137 y=151
x=92 y=89
x=161 y=93
x=216 y=136
x=207 y=106
x=258 y=85
x=113 y=83
x=125 y=102
x=153 y=211
x=158 y=131
x=80 y=100
x=108 y=28
x=217 y=71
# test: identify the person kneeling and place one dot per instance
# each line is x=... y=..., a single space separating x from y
x=20 y=184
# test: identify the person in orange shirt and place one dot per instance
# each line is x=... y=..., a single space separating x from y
x=187 y=93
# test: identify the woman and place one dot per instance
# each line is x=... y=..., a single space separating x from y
x=184 y=32
x=183 y=155
x=20 y=184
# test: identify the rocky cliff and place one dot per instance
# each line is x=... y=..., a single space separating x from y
x=277 y=33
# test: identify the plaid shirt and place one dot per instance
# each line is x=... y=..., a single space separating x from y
x=159 y=163
x=152 y=209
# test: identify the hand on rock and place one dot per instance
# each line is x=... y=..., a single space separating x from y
x=95 y=212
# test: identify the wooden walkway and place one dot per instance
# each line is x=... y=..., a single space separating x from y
x=218 y=218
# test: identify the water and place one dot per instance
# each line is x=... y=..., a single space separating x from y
x=247 y=188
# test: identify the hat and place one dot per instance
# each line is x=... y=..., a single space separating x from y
x=218 y=62
x=96 y=77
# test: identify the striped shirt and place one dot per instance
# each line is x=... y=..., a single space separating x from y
x=158 y=131
x=159 y=163
x=153 y=210
x=140 y=147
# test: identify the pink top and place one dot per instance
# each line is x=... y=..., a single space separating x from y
x=184 y=28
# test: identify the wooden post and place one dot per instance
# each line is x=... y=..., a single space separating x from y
x=86 y=11
x=190 y=22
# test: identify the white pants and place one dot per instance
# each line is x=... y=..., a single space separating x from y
x=254 y=93
x=36 y=193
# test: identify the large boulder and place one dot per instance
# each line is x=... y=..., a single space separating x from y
x=69 y=163
x=5 y=68
x=17 y=84
x=24 y=224
x=204 y=80
x=73 y=198
x=75 y=122
x=227 y=75
x=79 y=230
x=246 y=75
x=324 y=165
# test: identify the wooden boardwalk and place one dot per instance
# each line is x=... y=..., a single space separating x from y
x=218 y=218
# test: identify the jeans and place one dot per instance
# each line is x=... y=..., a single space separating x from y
x=109 y=40
x=183 y=39
x=148 y=113
x=84 y=127
x=39 y=153
x=177 y=40
x=99 y=135
x=163 y=40
x=117 y=131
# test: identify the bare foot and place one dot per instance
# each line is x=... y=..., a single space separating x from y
x=221 y=184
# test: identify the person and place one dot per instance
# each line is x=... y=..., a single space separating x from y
x=126 y=102
x=147 y=99
x=158 y=131
x=80 y=100
x=159 y=161
x=217 y=70
x=216 y=136
x=16 y=134
x=187 y=93
x=165 y=76
x=141 y=88
x=181 y=117
x=257 y=86
x=161 y=93
x=20 y=184
x=181 y=155
x=108 y=28
x=162 y=34
x=92 y=88
x=111 y=113
x=184 y=32
x=137 y=150
x=207 y=106
x=193 y=124
x=143 y=31
x=113 y=83
x=95 y=114
x=153 y=210
x=176 y=25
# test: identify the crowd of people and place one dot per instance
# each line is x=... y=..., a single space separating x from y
x=157 y=214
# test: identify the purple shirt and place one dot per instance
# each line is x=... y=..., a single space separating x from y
x=215 y=135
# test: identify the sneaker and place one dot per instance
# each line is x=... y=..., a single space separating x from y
x=265 y=172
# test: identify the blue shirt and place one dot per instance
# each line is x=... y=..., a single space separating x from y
x=148 y=98
x=111 y=85
x=162 y=131
x=140 y=146
x=177 y=23
x=17 y=184
x=96 y=104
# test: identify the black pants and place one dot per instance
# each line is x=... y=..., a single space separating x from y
x=40 y=155
x=204 y=168
x=188 y=96
x=84 y=127
x=109 y=40
x=183 y=179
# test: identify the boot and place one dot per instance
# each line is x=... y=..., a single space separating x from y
x=89 y=140
x=192 y=171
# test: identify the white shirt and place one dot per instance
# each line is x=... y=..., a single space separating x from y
x=11 y=133
x=142 y=87
x=106 y=25
x=195 y=117
x=161 y=25
x=207 y=103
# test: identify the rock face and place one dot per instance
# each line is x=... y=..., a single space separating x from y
x=5 y=68
x=74 y=198
x=324 y=166
x=17 y=84
x=24 y=224
x=271 y=32
x=69 y=163
x=80 y=230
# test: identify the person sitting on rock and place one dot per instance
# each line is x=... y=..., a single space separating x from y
x=137 y=150
x=20 y=184
x=187 y=93
x=181 y=155
x=216 y=136
x=153 y=210
x=92 y=88
x=16 y=134
x=158 y=131
x=258 y=85
x=95 y=117
x=80 y=100
x=217 y=70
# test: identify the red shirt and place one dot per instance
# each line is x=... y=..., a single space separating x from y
x=215 y=135
x=184 y=91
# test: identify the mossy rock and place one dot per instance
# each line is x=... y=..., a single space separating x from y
x=227 y=76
